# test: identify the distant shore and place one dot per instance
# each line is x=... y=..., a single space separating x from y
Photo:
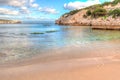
x=9 y=21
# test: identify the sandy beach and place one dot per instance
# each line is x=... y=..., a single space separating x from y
x=64 y=70
x=97 y=63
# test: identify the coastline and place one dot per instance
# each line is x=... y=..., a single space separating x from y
x=109 y=27
x=10 y=21
x=98 y=27
x=109 y=24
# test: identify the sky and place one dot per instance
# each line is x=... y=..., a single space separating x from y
x=41 y=9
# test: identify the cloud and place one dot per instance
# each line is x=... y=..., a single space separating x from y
x=33 y=4
x=17 y=3
x=31 y=1
x=48 y=10
x=79 y=5
x=4 y=11
x=14 y=3
x=21 y=9
x=21 y=6
x=24 y=10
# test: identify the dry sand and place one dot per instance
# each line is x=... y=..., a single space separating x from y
x=100 y=63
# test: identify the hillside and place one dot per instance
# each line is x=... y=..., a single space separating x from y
x=99 y=16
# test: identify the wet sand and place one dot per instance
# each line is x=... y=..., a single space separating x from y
x=95 y=61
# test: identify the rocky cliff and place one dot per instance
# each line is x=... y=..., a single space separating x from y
x=100 y=16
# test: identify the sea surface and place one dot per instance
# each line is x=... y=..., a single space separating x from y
x=20 y=41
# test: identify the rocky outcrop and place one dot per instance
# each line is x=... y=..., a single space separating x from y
x=78 y=19
x=9 y=21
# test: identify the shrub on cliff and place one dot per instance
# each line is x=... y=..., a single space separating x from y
x=88 y=13
x=115 y=2
x=114 y=13
x=99 y=12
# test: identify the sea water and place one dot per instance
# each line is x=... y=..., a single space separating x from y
x=20 y=41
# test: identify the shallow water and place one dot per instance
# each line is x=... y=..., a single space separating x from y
x=20 y=41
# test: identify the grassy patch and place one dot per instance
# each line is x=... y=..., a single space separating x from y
x=114 y=13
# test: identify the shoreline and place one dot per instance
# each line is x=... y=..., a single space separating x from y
x=97 y=63
x=84 y=51
x=97 y=27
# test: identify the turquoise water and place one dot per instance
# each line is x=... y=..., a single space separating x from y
x=19 y=41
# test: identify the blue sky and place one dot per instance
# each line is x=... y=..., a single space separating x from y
x=41 y=9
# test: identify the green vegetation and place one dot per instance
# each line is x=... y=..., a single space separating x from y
x=114 y=13
x=101 y=12
x=105 y=17
x=115 y=2
x=88 y=13
x=98 y=12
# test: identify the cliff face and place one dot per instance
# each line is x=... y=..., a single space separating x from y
x=80 y=19
x=9 y=21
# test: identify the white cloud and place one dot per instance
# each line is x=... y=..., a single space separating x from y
x=24 y=10
x=17 y=3
x=48 y=10
x=14 y=3
x=79 y=5
x=34 y=5
x=5 y=11
x=31 y=1
x=21 y=6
